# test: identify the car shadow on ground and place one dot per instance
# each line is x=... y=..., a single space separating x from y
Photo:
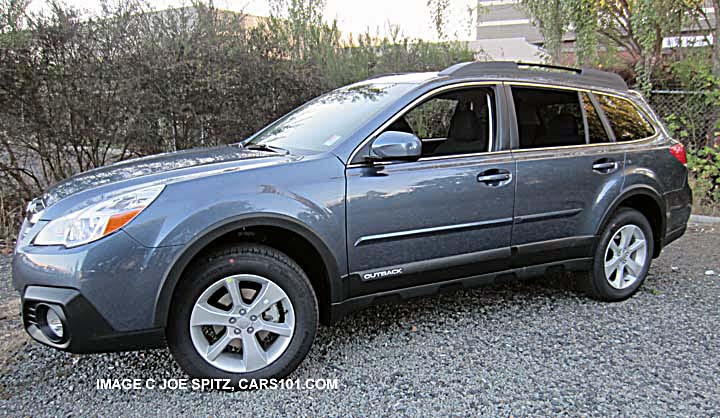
x=491 y=297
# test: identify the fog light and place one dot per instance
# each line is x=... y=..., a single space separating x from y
x=52 y=319
x=51 y=322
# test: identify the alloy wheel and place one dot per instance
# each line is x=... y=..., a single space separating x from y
x=625 y=256
x=242 y=323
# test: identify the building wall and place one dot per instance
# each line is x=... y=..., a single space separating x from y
x=500 y=19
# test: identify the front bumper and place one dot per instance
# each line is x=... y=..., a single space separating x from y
x=106 y=292
x=84 y=329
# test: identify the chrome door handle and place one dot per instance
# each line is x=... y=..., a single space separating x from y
x=494 y=177
x=605 y=167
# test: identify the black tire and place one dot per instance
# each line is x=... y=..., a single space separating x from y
x=598 y=286
x=243 y=259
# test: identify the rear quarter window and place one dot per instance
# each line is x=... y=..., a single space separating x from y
x=626 y=120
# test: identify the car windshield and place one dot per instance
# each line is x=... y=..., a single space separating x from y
x=324 y=122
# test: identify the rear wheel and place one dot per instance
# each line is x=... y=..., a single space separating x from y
x=622 y=258
x=244 y=312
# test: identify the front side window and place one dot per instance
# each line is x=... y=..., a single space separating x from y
x=548 y=117
x=625 y=119
x=326 y=121
x=452 y=123
x=431 y=120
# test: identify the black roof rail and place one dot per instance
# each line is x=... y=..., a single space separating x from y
x=512 y=68
x=605 y=76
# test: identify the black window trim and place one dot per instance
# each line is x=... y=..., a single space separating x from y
x=506 y=119
x=495 y=145
x=603 y=117
x=584 y=116
x=512 y=119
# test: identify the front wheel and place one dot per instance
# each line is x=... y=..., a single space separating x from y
x=244 y=312
x=622 y=258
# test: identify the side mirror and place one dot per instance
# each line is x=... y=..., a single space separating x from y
x=395 y=145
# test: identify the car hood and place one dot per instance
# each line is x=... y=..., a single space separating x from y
x=156 y=168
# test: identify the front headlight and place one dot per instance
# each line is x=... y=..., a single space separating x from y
x=98 y=220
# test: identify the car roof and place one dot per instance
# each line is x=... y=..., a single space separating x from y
x=514 y=71
x=401 y=78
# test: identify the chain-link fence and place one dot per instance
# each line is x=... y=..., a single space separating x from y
x=691 y=117
x=687 y=114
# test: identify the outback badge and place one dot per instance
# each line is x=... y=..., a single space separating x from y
x=382 y=274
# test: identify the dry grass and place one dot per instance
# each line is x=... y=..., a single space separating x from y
x=10 y=216
x=11 y=331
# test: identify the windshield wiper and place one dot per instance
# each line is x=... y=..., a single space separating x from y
x=265 y=147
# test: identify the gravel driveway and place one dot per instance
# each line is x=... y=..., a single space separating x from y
x=527 y=348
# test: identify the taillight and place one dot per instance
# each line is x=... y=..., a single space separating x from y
x=678 y=151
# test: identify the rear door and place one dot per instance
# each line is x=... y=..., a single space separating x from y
x=569 y=170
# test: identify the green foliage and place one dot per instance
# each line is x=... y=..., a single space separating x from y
x=553 y=19
x=697 y=127
x=12 y=14
x=704 y=167
x=638 y=27
x=695 y=73
x=438 y=13
x=299 y=33
x=683 y=128
x=12 y=21
x=700 y=123
x=79 y=93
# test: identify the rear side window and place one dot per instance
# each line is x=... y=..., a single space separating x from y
x=548 y=117
x=596 y=130
x=625 y=118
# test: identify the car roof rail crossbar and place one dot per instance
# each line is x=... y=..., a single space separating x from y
x=549 y=66
x=584 y=75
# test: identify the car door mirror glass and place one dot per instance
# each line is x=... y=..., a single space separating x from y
x=395 y=145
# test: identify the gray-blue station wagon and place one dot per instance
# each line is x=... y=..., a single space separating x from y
x=391 y=188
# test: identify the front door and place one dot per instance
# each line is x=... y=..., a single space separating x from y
x=447 y=215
